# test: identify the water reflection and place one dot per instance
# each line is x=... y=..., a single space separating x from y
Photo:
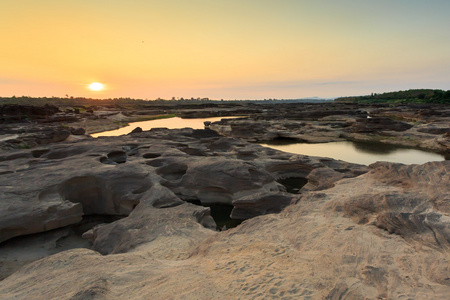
x=360 y=153
x=171 y=123
x=376 y=148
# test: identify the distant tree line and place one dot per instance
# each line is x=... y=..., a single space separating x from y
x=136 y=103
x=409 y=96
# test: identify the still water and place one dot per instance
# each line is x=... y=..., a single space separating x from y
x=171 y=123
x=360 y=153
x=355 y=152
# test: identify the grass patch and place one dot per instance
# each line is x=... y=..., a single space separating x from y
x=82 y=109
x=121 y=123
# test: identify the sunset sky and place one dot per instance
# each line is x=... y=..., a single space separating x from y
x=222 y=49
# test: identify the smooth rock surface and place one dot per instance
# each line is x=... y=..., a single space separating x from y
x=330 y=244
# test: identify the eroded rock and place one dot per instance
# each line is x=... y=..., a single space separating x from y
x=382 y=233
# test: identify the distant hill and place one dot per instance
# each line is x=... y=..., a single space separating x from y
x=409 y=96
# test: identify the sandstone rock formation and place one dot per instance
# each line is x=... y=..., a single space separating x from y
x=161 y=168
x=133 y=217
x=381 y=235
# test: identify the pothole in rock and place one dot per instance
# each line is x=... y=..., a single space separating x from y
x=39 y=152
x=220 y=214
x=90 y=221
x=98 y=207
x=172 y=172
x=192 y=151
x=293 y=185
x=74 y=237
x=151 y=155
x=156 y=162
x=131 y=149
x=22 y=250
x=114 y=157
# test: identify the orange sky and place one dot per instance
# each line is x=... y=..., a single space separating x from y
x=222 y=49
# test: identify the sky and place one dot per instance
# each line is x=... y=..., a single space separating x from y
x=222 y=49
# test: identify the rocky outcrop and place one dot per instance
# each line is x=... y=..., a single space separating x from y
x=372 y=125
x=379 y=235
x=136 y=130
x=77 y=131
x=414 y=208
x=403 y=125
x=108 y=177
x=16 y=113
x=138 y=206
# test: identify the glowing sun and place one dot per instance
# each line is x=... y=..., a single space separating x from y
x=96 y=86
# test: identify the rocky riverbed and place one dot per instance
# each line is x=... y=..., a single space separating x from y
x=425 y=127
x=137 y=216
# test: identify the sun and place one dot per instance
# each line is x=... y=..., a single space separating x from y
x=96 y=86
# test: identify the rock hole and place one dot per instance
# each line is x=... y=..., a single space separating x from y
x=105 y=160
x=99 y=207
x=194 y=201
x=156 y=163
x=100 y=197
x=57 y=155
x=22 y=250
x=119 y=157
x=90 y=221
x=293 y=185
x=172 y=172
x=39 y=152
x=151 y=155
x=192 y=151
x=130 y=147
x=114 y=158
x=221 y=214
